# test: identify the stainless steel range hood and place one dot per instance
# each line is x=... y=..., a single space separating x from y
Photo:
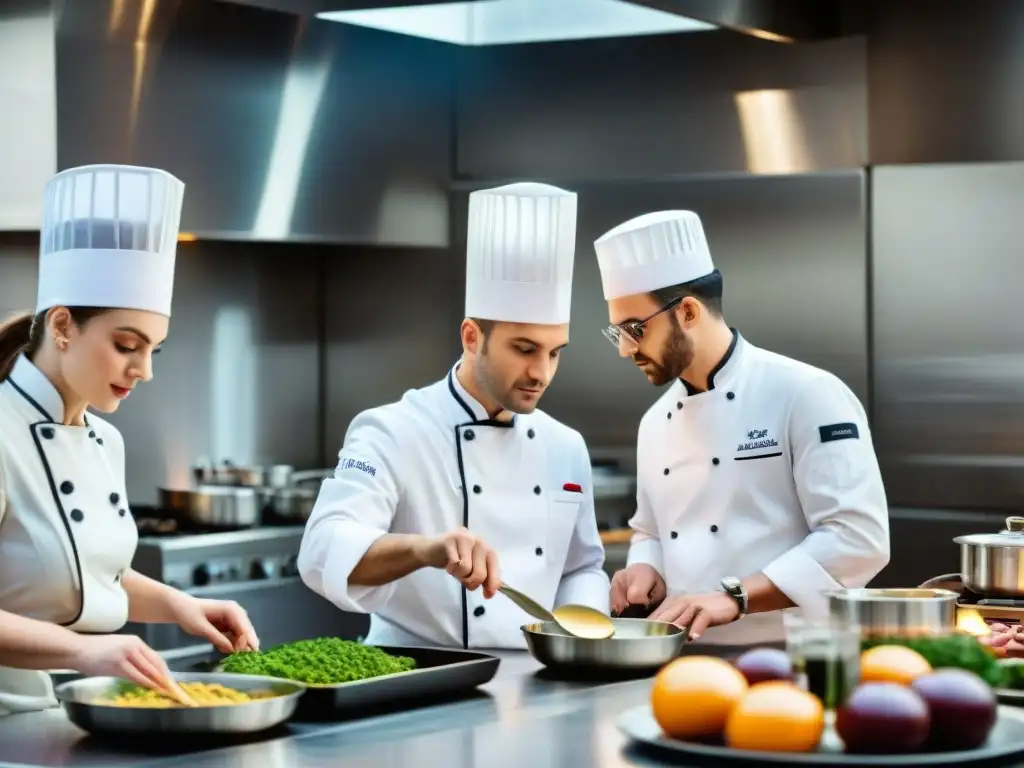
x=282 y=127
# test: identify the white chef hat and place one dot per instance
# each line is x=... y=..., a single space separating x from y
x=652 y=251
x=519 y=254
x=108 y=238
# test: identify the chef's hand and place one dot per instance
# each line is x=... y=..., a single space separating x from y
x=708 y=610
x=1005 y=640
x=639 y=584
x=223 y=622
x=124 y=656
x=466 y=557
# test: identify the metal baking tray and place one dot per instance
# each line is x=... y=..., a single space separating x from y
x=440 y=673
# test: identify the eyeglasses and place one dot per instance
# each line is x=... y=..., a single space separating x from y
x=635 y=330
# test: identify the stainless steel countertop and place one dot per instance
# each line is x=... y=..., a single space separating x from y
x=522 y=719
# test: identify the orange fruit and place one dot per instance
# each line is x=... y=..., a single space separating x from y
x=892 y=664
x=692 y=696
x=776 y=716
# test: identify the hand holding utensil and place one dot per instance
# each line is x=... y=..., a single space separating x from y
x=577 y=620
x=128 y=657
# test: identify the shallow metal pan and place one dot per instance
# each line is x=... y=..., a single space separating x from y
x=439 y=673
x=637 y=645
x=78 y=697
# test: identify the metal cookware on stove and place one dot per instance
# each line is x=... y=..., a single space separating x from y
x=992 y=564
x=213 y=506
x=227 y=473
x=295 y=501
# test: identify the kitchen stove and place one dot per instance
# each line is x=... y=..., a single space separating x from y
x=257 y=567
x=185 y=560
x=974 y=612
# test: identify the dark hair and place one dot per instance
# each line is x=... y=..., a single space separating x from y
x=486 y=326
x=25 y=332
x=707 y=290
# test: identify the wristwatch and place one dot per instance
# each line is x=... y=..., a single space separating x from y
x=734 y=588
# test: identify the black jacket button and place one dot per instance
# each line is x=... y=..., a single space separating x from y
x=477 y=489
x=47 y=432
x=675 y=534
x=77 y=516
x=666 y=470
x=536 y=489
x=121 y=512
x=538 y=551
x=114 y=498
x=731 y=395
x=92 y=434
x=469 y=434
x=66 y=487
x=714 y=529
x=478 y=611
x=679 y=405
x=669 y=414
x=99 y=440
x=531 y=434
x=715 y=461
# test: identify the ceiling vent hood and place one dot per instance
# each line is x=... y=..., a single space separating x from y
x=281 y=127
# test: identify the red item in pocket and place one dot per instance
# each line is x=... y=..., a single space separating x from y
x=572 y=488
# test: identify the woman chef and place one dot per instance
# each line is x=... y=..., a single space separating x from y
x=465 y=476
x=757 y=484
x=67 y=538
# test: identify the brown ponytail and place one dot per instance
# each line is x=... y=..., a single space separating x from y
x=15 y=338
x=24 y=332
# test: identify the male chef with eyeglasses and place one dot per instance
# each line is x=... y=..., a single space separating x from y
x=466 y=478
x=758 y=486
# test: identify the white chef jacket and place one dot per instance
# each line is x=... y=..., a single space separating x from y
x=771 y=470
x=66 y=535
x=430 y=463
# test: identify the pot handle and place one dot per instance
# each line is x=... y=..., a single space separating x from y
x=953 y=581
x=1015 y=524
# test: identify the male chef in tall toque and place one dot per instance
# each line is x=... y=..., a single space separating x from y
x=466 y=478
x=758 y=487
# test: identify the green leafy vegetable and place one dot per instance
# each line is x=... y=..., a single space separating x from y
x=321 y=661
x=961 y=651
x=1013 y=671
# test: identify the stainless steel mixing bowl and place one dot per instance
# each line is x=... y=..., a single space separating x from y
x=79 y=696
x=637 y=644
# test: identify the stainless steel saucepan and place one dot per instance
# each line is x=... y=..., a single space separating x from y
x=214 y=506
x=992 y=564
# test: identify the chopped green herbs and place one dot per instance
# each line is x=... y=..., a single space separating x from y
x=322 y=661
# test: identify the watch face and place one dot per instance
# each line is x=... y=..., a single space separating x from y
x=732 y=584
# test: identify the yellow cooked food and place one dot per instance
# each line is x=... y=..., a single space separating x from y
x=204 y=694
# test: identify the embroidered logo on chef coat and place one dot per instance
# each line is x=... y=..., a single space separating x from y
x=363 y=466
x=832 y=432
x=756 y=439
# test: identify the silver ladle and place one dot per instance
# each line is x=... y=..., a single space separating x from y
x=577 y=620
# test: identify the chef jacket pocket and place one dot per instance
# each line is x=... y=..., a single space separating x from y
x=563 y=512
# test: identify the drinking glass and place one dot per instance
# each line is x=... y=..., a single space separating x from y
x=825 y=652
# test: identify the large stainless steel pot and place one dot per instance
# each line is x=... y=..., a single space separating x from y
x=891 y=612
x=992 y=564
x=292 y=503
x=295 y=502
x=214 y=506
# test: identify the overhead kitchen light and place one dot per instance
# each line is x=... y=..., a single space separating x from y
x=497 y=22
